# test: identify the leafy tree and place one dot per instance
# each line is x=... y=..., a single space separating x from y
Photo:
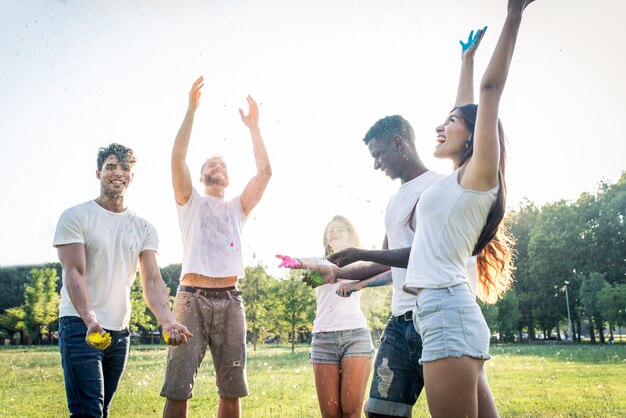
x=612 y=305
x=256 y=290
x=141 y=318
x=376 y=306
x=296 y=305
x=41 y=300
x=554 y=257
x=604 y=234
x=12 y=322
x=522 y=222
x=171 y=276
x=589 y=296
x=508 y=316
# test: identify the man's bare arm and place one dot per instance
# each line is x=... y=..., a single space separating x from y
x=73 y=260
x=181 y=178
x=157 y=298
x=256 y=186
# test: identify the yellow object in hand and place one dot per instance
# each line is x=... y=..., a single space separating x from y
x=99 y=341
x=166 y=337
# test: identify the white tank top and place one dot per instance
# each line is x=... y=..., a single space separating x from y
x=449 y=222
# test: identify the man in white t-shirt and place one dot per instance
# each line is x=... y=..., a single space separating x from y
x=207 y=300
x=99 y=243
x=398 y=377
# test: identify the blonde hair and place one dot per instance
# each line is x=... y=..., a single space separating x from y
x=354 y=237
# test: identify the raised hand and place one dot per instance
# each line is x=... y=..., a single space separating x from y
x=473 y=40
x=288 y=262
x=344 y=257
x=251 y=120
x=194 y=94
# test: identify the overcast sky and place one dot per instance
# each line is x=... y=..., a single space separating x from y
x=79 y=75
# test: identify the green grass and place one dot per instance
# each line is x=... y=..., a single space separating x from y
x=527 y=381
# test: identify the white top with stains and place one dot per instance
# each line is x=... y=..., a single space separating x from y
x=211 y=230
x=113 y=242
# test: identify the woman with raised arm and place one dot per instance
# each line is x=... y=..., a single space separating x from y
x=456 y=218
x=341 y=349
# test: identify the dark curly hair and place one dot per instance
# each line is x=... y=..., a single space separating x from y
x=125 y=155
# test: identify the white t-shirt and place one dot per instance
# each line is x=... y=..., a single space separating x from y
x=113 y=242
x=211 y=231
x=336 y=313
x=400 y=229
x=449 y=221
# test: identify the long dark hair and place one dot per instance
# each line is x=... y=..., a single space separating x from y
x=494 y=246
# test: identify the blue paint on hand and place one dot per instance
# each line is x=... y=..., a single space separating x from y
x=471 y=39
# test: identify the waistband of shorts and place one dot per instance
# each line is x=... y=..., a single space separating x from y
x=407 y=316
x=211 y=293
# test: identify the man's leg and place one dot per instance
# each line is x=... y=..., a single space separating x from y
x=113 y=365
x=82 y=369
x=175 y=409
x=229 y=408
x=227 y=341
x=398 y=378
x=183 y=361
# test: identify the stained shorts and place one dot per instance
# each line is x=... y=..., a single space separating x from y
x=217 y=323
x=451 y=324
x=330 y=347
x=398 y=377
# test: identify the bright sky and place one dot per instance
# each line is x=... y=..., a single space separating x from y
x=78 y=75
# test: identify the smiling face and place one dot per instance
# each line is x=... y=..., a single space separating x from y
x=339 y=234
x=214 y=172
x=115 y=177
x=386 y=156
x=451 y=137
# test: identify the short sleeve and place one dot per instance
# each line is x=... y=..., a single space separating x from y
x=237 y=209
x=69 y=229
x=150 y=238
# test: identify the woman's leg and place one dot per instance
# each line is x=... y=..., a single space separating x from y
x=355 y=373
x=452 y=386
x=327 y=380
x=486 y=404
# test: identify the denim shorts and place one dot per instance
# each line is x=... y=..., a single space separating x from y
x=218 y=323
x=330 y=347
x=398 y=377
x=451 y=324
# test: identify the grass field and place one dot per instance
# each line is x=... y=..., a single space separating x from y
x=527 y=381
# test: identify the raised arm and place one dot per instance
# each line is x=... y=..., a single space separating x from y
x=73 y=260
x=181 y=178
x=157 y=298
x=256 y=186
x=465 y=91
x=482 y=170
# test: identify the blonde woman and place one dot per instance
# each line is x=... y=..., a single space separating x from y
x=341 y=349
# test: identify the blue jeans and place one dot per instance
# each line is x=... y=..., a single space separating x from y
x=91 y=375
x=398 y=377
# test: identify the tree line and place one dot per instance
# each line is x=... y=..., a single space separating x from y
x=570 y=256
